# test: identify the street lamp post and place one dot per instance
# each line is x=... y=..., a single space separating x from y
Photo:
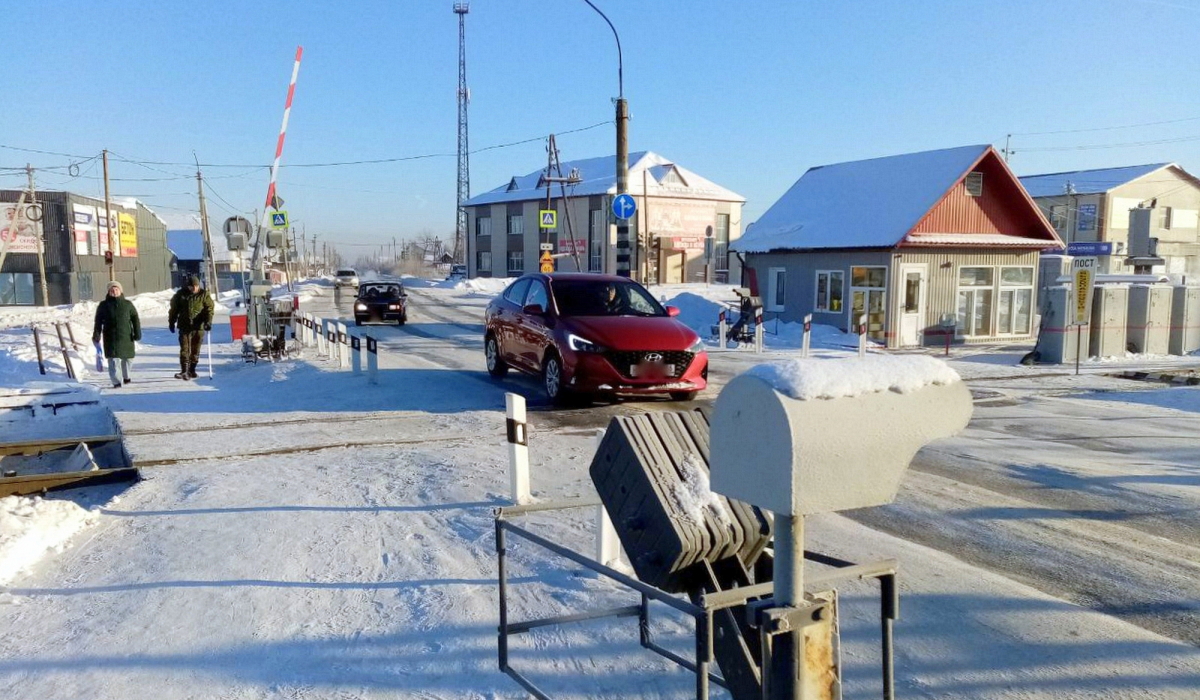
x=623 y=247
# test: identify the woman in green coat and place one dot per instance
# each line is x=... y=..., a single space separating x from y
x=118 y=325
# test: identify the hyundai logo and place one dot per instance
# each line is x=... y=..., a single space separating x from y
x=654 y=357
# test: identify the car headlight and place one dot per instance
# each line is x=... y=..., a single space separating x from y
x=696 y=347
x=360 y=307
x=579 y=344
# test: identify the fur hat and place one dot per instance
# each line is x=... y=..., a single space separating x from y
x=117 y=285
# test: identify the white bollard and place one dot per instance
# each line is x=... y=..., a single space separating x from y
x=862 y=335
x=319 y=335
x=758 y=330
x=356 y=354
x=372 y=360
x=343 y=338
x=807 y=336
x=608 y=545
x=723 y=329
x=518 y=448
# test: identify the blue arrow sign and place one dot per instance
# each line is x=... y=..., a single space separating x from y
x=624 y=206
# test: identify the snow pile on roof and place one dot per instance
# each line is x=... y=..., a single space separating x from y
x=599 y=177
x=32 y=526
x=863 y=204
x=807 y=379
x=1085 y=181
x=692 y=493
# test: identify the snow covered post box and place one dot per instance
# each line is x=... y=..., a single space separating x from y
x=818 y=436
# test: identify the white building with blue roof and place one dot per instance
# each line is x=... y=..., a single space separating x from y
x=677 y=210
x=1090 y=211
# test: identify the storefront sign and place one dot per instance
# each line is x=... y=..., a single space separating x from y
x=682 y=222
x=127 y=226
x=23 y=238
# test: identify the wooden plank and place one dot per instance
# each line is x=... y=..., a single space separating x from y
x=38 y=483
x=44 y=445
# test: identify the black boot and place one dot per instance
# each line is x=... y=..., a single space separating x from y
x=191 y=373
x=182 y=374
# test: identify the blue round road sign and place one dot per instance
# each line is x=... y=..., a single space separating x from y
x=624 y=206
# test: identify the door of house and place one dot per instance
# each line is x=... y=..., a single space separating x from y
x=911 y=305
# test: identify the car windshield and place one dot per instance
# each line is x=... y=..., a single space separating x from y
x=604 y=298
x=379 y=291
x=345 y=273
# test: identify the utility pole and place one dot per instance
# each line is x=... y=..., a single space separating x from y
x=112 y=253
x=41 y=240
x=553 y=165
x=1007 y=150
x=464 y=160
x=210 y=263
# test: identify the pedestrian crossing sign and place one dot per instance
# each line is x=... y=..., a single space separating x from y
x=548 y=217
x=279 y=219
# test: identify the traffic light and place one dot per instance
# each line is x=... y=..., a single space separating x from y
x=108 y=257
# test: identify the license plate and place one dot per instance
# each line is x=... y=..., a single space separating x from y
x=651 y=369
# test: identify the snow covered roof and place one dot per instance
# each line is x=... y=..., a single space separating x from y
x=861 y=204
x=988 y=239
x=600 y=177
x=1086 y=181
x=186 y=244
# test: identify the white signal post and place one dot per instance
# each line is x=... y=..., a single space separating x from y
x=862 y=335
x=518 y=448
x=807 y=335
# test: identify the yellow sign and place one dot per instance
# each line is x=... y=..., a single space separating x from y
x=547 y=218
x=1083 y=281
x=546 y=261
x=127 y=227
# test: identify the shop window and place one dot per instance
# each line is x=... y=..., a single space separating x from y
x=16 y=288
x=1014 y=311
x=867 y=296
x=975 y=294
x=870 y=277
x=830 y=285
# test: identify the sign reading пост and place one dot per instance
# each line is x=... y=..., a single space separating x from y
x=1083 y=284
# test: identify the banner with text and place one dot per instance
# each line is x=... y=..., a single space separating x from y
x=23 y=238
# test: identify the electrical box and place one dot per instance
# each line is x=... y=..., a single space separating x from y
x=275 y=239
x=1057 y=340
x=1149 y=322
x=235 y=241
x=1109 y=307
x=1185 y=320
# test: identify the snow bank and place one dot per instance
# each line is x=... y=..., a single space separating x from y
x=807 y=379
x=696 y=312
x=490 y=286
x=31 y=527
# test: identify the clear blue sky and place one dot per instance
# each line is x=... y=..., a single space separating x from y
x=748 y=93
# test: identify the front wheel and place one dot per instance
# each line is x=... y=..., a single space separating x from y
x=552 y=380
x=496 y=366
x=358 y=321
x=683 y=395
x=402 y=320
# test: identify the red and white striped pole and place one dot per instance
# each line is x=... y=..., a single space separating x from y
x=287 y=110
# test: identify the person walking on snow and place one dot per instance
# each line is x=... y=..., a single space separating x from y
x=118 y=325
x=192 y=312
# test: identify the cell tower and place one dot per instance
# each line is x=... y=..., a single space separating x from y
x=464 y=162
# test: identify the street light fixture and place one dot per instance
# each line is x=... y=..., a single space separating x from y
x=623 y=247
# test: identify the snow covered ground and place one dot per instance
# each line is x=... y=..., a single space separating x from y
x=300 y=533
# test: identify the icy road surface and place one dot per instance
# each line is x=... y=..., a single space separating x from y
x=301 y=534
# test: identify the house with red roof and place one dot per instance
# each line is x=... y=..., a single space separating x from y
x=913 y=242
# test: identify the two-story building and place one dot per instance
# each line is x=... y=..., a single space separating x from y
x=677 y=210
x=907 y=241
x=1092 y=206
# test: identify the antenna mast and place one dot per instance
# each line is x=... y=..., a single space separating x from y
x=464 y=168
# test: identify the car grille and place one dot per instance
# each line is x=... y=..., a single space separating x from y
x=622 y=360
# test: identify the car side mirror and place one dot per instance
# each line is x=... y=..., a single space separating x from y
x=672 y=310
x=534 y=310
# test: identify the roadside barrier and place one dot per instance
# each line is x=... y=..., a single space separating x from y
x=356 y=355
x=372 y=360
x=343 y=341
x=518 y=447
x=66 y=343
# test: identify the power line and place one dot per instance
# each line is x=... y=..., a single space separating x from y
x=1103 y=128
x=1106 y=146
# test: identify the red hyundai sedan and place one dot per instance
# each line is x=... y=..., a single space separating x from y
x=593 y=334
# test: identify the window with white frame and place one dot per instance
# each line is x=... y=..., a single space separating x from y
x=830 y=284
x=16 y=288
x=516 y=263
x=483 y=261
x=776 y=289
x=1014 y=312
x=516 y=225
x=976 y=288
x=483 y=226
